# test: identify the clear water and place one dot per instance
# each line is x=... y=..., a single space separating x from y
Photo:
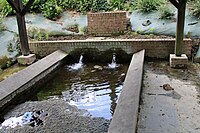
x=94 y=90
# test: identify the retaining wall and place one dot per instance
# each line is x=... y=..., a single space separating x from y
x=107 y=23
x=155 y=48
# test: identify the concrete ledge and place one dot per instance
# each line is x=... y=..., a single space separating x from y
x=178 y=61
x=26 y=60
x=126 y=113
x=25 y=79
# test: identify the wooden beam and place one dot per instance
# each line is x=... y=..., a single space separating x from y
x=22 y=30
x=13 y=5
x=26 y=8
x=180 y=29
x=175 y=3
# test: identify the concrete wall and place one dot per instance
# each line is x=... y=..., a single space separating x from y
x=107 y=23
x=156 y=48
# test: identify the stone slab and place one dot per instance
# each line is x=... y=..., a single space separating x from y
x=126 y=113
x=178 y=61
x=26 y=78
x=172 y=111
x=26 y=60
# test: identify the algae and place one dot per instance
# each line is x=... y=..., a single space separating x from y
x=10 y=71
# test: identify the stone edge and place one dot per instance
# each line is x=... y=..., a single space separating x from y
x=8 y=90
x=126 y=113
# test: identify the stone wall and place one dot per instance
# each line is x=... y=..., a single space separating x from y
x=155 y=48
x=107 y=23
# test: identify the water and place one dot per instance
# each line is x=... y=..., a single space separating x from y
x=88 y=88
x=78 y=65
x=113 y=63
x=29 y=118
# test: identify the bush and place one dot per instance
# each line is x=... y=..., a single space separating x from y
x=51 y=9
x=37 y=6
x=196 y=8
x=5 y=8
x=166 y=12
x=100 y=5
x=38 y=34
x=67 y=4
x=5 y=62
x=84 y=5
x=116 y=4
x=147 y=5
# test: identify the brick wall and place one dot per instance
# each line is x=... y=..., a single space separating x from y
x=155 y=48
x=107 y=23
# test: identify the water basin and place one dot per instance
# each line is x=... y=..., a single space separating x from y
x=96 y=90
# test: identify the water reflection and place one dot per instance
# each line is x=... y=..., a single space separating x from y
x=96 y=92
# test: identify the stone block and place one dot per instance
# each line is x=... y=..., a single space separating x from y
x=26 y=60
x=178 y=61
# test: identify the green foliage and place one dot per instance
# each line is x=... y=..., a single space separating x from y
x=67 y=4
x=2 y=26
x=83 y=6
x=147 y=5
x=37 y=6
x=166 y=12
x=5 y=8
x=51 y=9
x=116 y=4
x=83 y=30
x=38 y=34
x=5 y=62
x=100 y=5
x=196 y=8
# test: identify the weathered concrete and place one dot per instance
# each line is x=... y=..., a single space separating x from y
x=126 y=113
x=25 y=79
x=26 y=60
x=172 y=111
x=178 y=61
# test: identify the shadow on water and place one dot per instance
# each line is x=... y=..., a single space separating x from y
x=95 y=89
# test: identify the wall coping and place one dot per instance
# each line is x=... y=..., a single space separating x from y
x=106 y=12
x=107 y=40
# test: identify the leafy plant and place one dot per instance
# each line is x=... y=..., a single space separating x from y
x=5 y=8
x=83 y=30
x=99 y=5
x=67 y=4
x=116 y=4
x=166 y=12
x=147 y=5
x=2 y=26
x=37 y=6
x=5 y=62
x=38 y=34
x=51 y=9
x=196 y=8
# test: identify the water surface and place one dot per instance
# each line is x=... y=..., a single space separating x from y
x=87 y=88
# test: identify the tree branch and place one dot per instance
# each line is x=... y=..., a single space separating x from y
x=175 y=3
x=28 y=5
x=13 y=5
